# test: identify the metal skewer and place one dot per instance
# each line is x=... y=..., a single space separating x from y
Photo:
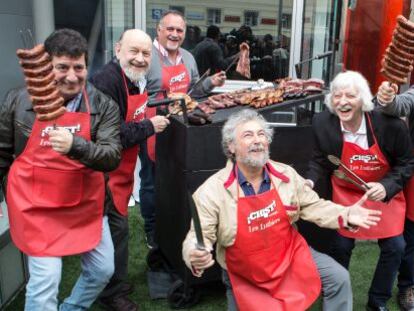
x=334 y=160
x=342 y=175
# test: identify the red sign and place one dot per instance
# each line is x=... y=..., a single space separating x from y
x=268 y=21
x=232 y=18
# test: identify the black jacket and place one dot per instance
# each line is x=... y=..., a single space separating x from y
x=208 y=54
x=109 y=80
x=393 y=139
x=101 y=153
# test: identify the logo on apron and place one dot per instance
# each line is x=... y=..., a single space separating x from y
x=45 y=132
x=177 y=78
x=139 y=112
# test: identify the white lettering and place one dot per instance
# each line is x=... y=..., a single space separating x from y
x=262 y=213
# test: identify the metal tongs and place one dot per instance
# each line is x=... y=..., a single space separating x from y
x=167 y=101
x=236 y=58
x=362 y=184
x=200 y=80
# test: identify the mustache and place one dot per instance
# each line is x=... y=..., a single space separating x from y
x=256 y=148
x=174 y=38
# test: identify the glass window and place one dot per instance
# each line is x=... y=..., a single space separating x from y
x=100 y=21
x=251 y=18
x=265 y=26
x=178 y=8
x=317 y=38
x=213 y=16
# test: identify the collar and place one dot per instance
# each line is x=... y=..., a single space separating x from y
x=273 y=172
x=243 y=180
x=73 y=104
x=362 y=128
x=164 y=53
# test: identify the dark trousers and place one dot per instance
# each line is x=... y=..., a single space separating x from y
x=392 y=251
x=147 y=189
x=406 y=272
x=118 y=225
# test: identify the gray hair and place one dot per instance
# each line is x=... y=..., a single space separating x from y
x=229 y=129
x=351 y=79
x=171 y=12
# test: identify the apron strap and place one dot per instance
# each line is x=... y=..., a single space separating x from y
x=125 y=82
x=85 y=95
x=371 y=128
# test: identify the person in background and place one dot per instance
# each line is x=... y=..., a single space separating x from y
x=172 y=69
x=123 y=79
x=55 y=179
x=403 y=106
x=208 y=53
x=248 y=209
x=378 y=149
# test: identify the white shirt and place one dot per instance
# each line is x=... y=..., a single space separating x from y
x=360 y=137
x=164 y=53
x=141 y=84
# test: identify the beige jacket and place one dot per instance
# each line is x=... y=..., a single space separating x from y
x=216 y=201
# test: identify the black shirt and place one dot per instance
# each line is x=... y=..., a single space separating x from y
x=109 y=80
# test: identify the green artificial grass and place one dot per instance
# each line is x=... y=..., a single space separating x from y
x=213 y=298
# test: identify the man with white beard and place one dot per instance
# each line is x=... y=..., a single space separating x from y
x=123 y=78
x=247 y=209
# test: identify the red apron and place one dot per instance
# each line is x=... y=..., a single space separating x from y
x=270 y=264
x=55 y=203
x=371 y=165
x=174 y=79
x=121 y=180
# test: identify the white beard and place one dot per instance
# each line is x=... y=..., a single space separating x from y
x=253 y=162
x=133 y=75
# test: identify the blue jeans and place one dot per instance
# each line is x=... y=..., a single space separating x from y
x=392 y=251
x=45 y=274
x=406 y=272
x=147 y=189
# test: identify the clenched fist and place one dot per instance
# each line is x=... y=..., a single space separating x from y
x=61 y=140
x=387 y=92
x=159 y=123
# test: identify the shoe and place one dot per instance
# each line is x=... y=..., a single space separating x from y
x=371 y=308
x=120 y=303
x=406 y=299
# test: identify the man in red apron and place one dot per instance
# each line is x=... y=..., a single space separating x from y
x=248 y=210
x=403 y=106
x=123 y=79
x=172 y=69
x=55 y=184
x=378 y=149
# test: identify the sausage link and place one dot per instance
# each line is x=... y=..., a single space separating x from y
x=49 y=107
x=43 y=100
x=51 y=115
x=35 y=63
x=42 y=91
x=32 y=53
x=39 y=82
x=38 y=72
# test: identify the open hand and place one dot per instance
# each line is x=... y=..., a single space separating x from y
x=363 y=217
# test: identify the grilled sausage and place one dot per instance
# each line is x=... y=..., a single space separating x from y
x=40 y=82
x=50 y=107
x=42 y=91
x=36 y=62
x=51 y=115
x=38 y=72
x=43 y=100
x=32 y=53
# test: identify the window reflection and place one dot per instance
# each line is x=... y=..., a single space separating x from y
x=265 y=27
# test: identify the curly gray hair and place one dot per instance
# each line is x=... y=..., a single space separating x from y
x=351 y=79
x=229 y=129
